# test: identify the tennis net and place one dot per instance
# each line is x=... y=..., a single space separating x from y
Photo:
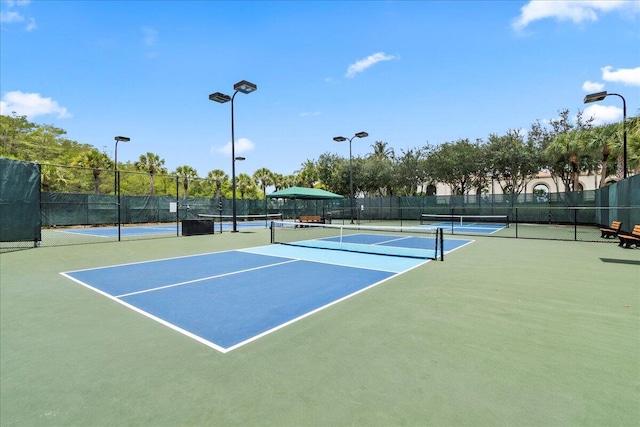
x=263 y=219
x=439 y=220
x=411 y=242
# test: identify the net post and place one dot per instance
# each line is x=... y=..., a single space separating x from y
x=441 y=233
x=437 y=239
x=271 y=230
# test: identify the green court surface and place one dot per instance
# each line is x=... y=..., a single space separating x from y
x=507 y=332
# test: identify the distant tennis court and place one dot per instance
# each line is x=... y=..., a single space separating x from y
x=218 y=223
x=227 y=299
x=465 y=224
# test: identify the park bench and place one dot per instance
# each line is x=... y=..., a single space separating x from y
x=611 y=231
x=307 y=219
x=628 y=240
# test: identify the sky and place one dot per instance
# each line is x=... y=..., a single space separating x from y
x=410 y=73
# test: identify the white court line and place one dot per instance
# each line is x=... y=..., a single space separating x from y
x=173 y=285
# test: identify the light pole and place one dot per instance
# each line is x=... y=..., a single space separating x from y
x=116 y=177
x=342 y=139
x=599 y=96
x=244 y=87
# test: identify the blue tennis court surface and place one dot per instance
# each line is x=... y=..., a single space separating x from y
x=228 y=299
x=467 y=228
x=142 y=230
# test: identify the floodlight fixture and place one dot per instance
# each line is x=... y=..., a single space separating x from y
x=362 y=134
x=219 y=97
x=240 y=158
x=245 y=87
x=594 y=97
x=122 y=139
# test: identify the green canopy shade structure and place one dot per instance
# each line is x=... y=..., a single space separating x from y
x=304 y=193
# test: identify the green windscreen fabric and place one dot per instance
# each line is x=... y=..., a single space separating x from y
x=19 y=201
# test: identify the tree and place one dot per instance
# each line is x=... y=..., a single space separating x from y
x=378 y=170
x=377 y=176
x=328 y=167
x=186 y=174
x=567 y=154
x=512 y=160
x=382 y=150
x=456 y=164
x=263 y=177
x=409 y=171
x=12 y=130
x=601 y=139
x=308 y=175
x=97 y=162
x=245 y=185
x=218 y=175
x=633 y=144
x=52 y=178
x=152 y=164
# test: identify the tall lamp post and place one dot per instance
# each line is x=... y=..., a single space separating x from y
x=244 y=87
x=116 y=177
x=342 y=139
x=599 y=96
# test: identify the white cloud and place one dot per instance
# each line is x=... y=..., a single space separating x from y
x=243 y=145
x=10 y=17
x=13 y=17
x=363 y=64
x=31 y=105
x=576 y=11
x=602 y=113
x=627 y=76
x=31 y=25
x=12 y=3
x=592 y=86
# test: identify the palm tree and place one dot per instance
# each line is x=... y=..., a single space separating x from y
x=633 y=144
x=288 y=181
x=215 y=176
x=51 y=178
x=278 y=181
x=151 y=163
x=380 y=150
x=602 y=139
x=263 y=177
x=186 y=173
x=308 y=175
x=244 y=184
x=97 y=162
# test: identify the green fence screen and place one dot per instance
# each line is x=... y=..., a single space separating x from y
x=19 y=201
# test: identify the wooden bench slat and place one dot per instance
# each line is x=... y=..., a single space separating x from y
x=611 y=231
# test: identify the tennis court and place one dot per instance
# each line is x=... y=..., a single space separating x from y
x=503 y=332
x=227 y=299
x=466 y=224
x=223 y=223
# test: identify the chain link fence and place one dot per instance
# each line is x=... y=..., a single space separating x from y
x=54 y=205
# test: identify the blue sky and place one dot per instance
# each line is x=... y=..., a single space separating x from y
x=407 y=72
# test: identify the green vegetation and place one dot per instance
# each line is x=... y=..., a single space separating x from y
x=564 y=148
